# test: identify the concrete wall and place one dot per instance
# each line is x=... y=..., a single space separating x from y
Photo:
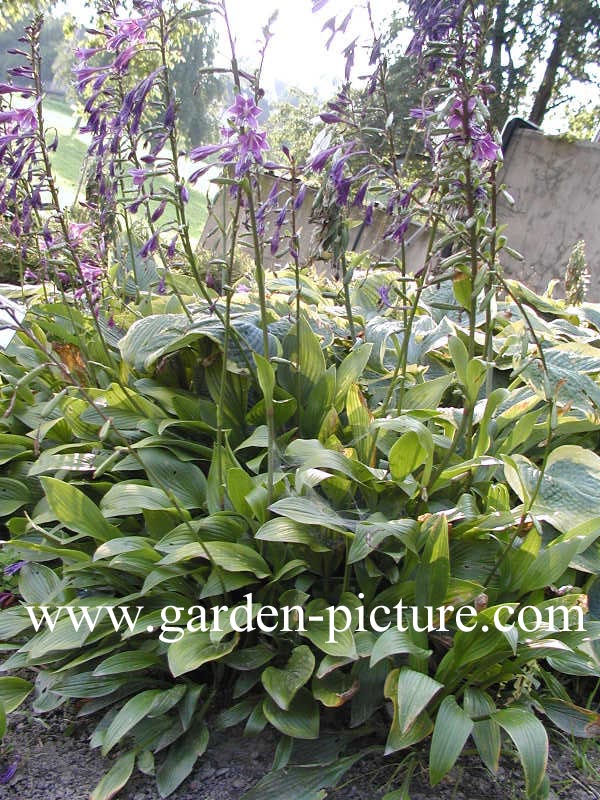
x=556 y=188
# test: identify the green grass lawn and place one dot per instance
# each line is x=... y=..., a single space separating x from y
x=69 y=160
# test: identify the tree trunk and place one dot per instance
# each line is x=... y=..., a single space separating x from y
x=546 y=87
x=499 y=102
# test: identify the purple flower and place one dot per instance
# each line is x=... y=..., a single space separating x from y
x=457 y=121
x=485 y=148
x=161 y=288
x=158 y=211
x=420 y=113
x=171 y=247
x=150 y=247
x=12 y=569
x=7 y=599
x=330 y=118
x=384 y=296
x=138 y=176
x=300 y=197
x=202 y=152
x=398 y=231
x=184 y=194
x=76 y=231
x=369 y=214
x=252 y=144
x=83 y=53
x=359 y=197
x=318 y=161
x=8 y=88
x=127 y=30
x=121 y=62
x=244 y=112
x=21 y=120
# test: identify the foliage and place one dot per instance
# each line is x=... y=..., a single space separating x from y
x=362 y=452
x=291 y=123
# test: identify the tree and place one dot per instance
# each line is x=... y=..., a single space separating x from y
x=538 y=50
x=289 y=123
x=13 y=10
x=557 y=39
x=53 y=45
x=197 y=88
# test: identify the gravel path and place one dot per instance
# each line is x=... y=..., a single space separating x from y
x=57 y=764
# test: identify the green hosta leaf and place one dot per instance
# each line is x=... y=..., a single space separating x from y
x=147 y=339
x=395 y=642
x=549 y=565
x=195 y=649
x=332 y=639
x=486 y=732
x=13 y=495
x=265 y=375
x=2 y=721
x=12 y=446
x=334 y=689
x=185 y=480
x=281 y=529
x=452 y=729
x=181 y=759
x=13 y=621
x=12 y=692
x=414 y=691
x=433 y=574
x=406 y=456
x=229 y=556
x=283 y=684
x=115 y=779
x=531 y=741
x=250 y=658
x=310 y=512
x=124 y=499
x=38 y=584
x=301 y=783
x=76 y=511
x=460 y=359
x=427 y=395
x=371 y=534
x=84 y=685
x=349 y=371
x=360 y=418
x=132 y=712
x=574 y=720
x=300 y=720
x=122 y=663
x=569 y=493
x=124 y=544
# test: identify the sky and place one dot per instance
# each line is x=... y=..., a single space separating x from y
x=296 y=54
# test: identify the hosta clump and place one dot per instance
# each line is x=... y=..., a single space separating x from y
x=128 y=504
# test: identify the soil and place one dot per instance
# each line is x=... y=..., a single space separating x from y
x=56 y=763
